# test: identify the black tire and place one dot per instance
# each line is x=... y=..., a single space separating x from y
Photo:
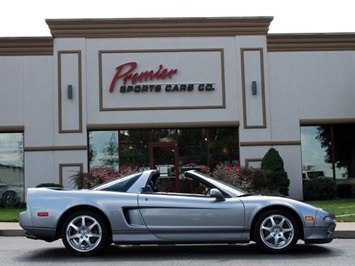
x=276 y=231
x=9 y=199
x=85 y=233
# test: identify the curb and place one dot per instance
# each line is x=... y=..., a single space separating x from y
x=15 y=232
x=344 y=234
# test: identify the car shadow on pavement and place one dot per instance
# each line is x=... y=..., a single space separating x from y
x=161 y=253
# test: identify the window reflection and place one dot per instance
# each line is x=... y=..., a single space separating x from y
x=313 y=155
x=11 y=169
x=194 y=148
x=103 y=149
x=328 y=150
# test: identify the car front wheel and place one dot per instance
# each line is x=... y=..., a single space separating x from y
x=85 y=233
x=276 y=231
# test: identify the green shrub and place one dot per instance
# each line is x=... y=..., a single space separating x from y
x=319 y=189
x=277 y=179
x=344 y=191
x=258 y=179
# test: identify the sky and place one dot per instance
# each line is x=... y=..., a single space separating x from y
x=23 y=18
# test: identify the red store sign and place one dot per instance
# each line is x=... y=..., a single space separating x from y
x=128 y=74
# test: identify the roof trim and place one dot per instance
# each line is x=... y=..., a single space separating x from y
x=158 y=27
x=19 y=46
x=310 y=42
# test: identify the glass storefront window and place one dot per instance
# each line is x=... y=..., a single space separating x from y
x=329 y=151
x=313 y=155
x=103 y=149
x=193 y=148
x=224 y=143
x=134 y=147
x=11 y=169
x=164 y=149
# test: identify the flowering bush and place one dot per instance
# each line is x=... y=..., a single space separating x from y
x=102 y=174
x=233 y=174
x=205 y=169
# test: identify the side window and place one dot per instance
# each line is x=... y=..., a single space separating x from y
x=191 y=186
x=187 y=186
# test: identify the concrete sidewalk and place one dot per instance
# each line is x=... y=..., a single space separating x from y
x=343 y=230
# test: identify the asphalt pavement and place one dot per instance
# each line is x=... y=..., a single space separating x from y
x=342 y=230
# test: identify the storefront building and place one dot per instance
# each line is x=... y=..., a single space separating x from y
x=174 y=94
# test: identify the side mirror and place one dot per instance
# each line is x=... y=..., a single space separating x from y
x=215 y=193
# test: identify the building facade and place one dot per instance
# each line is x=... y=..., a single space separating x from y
x=119 y=91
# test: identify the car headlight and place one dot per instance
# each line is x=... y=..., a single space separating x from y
x=329 y=219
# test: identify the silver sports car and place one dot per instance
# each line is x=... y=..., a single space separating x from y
x=136 y=210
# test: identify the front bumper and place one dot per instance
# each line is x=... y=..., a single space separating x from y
x=323 y=229
x=319 y=235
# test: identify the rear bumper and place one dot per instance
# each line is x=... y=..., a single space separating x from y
x=36 y=233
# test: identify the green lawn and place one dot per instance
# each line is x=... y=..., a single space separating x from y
x=9 y=215
x=343 y=209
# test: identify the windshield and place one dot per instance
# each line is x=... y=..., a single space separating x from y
x=119 y=185
x=222 y=185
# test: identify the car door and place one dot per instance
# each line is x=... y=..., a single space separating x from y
x=191 y=217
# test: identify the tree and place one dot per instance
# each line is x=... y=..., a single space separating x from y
x=111 y=153
x=344 y=145
x=134 y=147
x=277 y=180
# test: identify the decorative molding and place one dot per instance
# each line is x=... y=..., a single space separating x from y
x=311 y=42
x=262 y=85
x=250 y=160
x=55 y=148
x=26 y=46
x=11 y=129
x=163 y=125
x=222 y=105
x=158 y=27
x=60 y=99
x=270 y=143
x=63 y=165
x=332 y=121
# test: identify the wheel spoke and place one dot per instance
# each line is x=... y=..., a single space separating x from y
x=266 y=228
x=276 y=241
x=72 y=225
x=74 y=236
x=287 y=230
x=93 y=225
x=94 y=235
x=284 y=239
x=273 y=223
x=83 y=219
x=269 y=236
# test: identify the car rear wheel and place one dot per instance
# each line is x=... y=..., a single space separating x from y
x=276 y=231
x=85 y=233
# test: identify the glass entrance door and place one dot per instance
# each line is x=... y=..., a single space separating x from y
x=164 y=156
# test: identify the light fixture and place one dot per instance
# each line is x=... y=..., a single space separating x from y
x=70 y=91
x=253 y=88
